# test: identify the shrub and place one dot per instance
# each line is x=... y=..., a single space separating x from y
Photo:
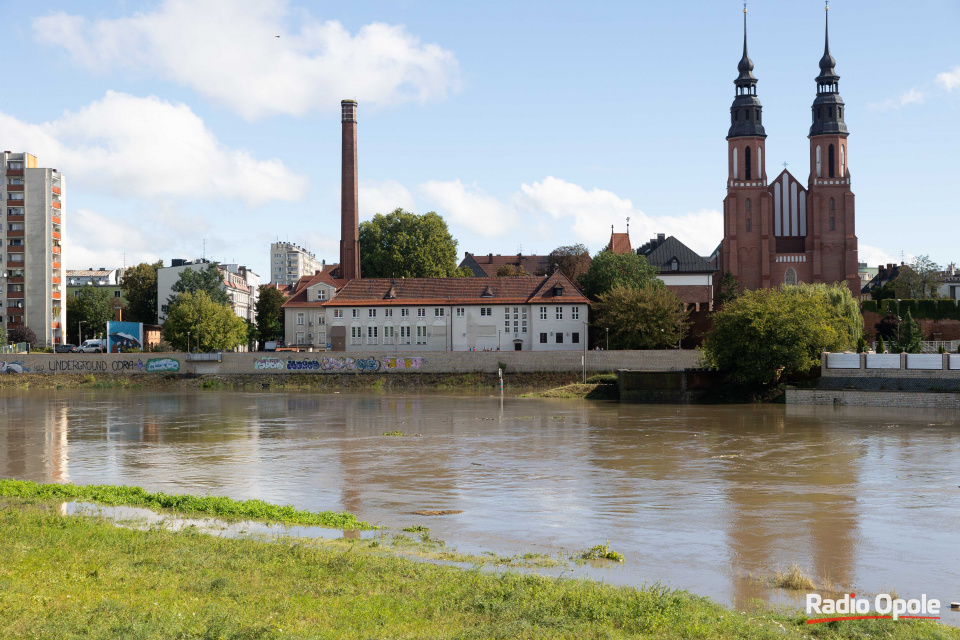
x=861 y=344
x=870 y=305
x=880 y=346
x=162 y=347
x=603 y=378
x=947 y=309
x=942 y=349
x=928 y=309
x=907 y=306
x=889 y=307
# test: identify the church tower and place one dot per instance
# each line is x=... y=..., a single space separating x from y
x=831 y=201
x=746 y=209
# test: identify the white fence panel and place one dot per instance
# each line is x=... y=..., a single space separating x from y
x=924 y=361
x=955 y=361
x=883 y=361
x=843 y=361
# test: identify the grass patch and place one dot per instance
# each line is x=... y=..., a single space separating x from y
x=70 y=577
x=218 y=506
x=588 y=391
x=603 y=378
x=393 y=433
x=601 y=552
x=416 y=529
x=795 y=579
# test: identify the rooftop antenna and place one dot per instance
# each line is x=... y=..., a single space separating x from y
x=204 y=249
x=628 y=217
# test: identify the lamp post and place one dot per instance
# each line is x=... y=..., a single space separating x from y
x=499 y=332
x=608 y=338
x=79 y=334
x=583 y=362
x=188 y=342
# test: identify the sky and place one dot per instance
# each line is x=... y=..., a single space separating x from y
x=188 y=126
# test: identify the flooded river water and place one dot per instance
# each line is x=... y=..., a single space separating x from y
x=694 y=497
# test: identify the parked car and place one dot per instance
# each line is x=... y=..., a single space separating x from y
x=92 y=346
x=65 y=348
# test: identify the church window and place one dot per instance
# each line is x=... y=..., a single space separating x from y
x=746 y=159
x=736 y=115
x=748 y=225
x=748 y=205
x=843 y=161
x=818 y=113
x=840 y=112
x=832 y=204
x=736 y=168
x=759 y=163
x=819 y=172
x=833 y=224
x=829 y=112
x=790 y=277
x=831 y=170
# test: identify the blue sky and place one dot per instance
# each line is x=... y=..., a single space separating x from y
x=527 y=126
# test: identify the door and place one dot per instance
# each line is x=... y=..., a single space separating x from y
x=338 y=338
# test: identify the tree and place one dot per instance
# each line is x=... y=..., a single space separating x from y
x=572 y=260
x=269 y=315
x=886 y=292
x=406 y=245
x=139 y=285
x=91 y=306
x=3 y=336
x=911 y=336
x=880 y=346
x=511 y=271
x=766 y=333
x=919 y=279
x=208 y=280
x=22 y=333
x=651 y=317
x=610 y=269
x=211 y=326
x=728 y=289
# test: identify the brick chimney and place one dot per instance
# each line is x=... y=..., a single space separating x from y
x=349 y=212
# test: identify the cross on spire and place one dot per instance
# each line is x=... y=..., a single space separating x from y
x=785 y=165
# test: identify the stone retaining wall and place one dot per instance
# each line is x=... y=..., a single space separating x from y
x=873 y=398
x=319 y=363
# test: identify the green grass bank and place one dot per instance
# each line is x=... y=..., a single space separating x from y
x=82 y=577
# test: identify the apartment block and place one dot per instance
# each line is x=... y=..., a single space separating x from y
x=107 y=279
x=290 y=262
x=30 y=262
x=241 y=284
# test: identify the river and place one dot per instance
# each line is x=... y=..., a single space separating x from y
x=696 y=497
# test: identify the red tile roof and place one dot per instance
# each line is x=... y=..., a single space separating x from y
x=449 y=291
x=489 y=263
x=620 y=243
x=298 y=294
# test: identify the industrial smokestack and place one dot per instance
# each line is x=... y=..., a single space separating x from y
x=349 y=213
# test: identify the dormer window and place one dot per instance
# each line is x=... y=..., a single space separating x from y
x=674 y=265
x=558 y=290
x=487 y=292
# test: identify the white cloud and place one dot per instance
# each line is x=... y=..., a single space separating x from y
x=383 y=197
x=469 y=206
x=553 y=202
x=949 y=80
x=874 y=256
x=92 y=239
x=148 y=147
x=228 y=50
x=912 y=96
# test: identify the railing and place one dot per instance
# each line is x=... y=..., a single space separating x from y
x=892 y=361
x=20 y=347
x=205 y=357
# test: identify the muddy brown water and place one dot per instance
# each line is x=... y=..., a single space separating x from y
x=695 y=497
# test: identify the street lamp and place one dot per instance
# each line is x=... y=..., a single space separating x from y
x=608 y=338
x=188 y=342
x=499 y=331
x=79 y=334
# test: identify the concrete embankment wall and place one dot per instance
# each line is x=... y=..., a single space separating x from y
x=846 y=397
x=316 y=363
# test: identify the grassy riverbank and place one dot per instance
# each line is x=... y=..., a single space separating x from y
x=72 y=577
x=218 y=506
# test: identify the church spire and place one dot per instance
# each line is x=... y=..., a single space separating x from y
x=745 y=114
x=828 y=107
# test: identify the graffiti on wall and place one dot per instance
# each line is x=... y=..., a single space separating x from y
x=13 y=367
x=324 y=363
x=163 y=364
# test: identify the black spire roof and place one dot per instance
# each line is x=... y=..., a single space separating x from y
x=746 y=112
x=828 y=106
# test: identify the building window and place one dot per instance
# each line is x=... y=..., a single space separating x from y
x=388 y=335
x=523 y=326
x=559 y=337
x=748 y=224
x=338 y=313
x=388 y=313
x=299 y=318
x=404 y=313
x=421 y=312
x=372 y=335
x=790 y=277
x=486 y=311
x=299 y=338
x=421 y=334
x=356 y=335
x=575 y=338
x=438 y=312
x=830 y=160
x=460 y=312
x=832 y=204
x=371 y=313
x=748 y=205
x=404 y=335
x=543 y=338
x=833 y=224
x=746 y=160
x=321 y=294
x=559 y=313
x=356 y=313
x=116 y=294
x=575 y=313
x=506 y=326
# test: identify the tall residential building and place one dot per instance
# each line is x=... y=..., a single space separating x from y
x=30 y=271
x=290 y=262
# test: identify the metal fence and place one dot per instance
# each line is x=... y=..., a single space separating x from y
x=204 y=357
x=928 y=346
x=20 y=347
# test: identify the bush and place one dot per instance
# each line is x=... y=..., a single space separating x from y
x=880 y=345
x=861 y=345
x=907 y=306
x=947 y=309
x=870 y=306
x=889 y=307
x=41 y=350
x=928 y=309
x=603 y=378
x=162 y=347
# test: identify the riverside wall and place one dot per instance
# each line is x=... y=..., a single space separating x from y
x=395 y=363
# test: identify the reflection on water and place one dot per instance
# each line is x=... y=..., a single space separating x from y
x=695 y=497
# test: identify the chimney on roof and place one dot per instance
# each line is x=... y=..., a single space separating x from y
x=349 y=211
x=881 y=272
x=489 y=258
x=661 y=237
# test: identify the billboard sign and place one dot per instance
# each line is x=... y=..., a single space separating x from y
x=124 y=337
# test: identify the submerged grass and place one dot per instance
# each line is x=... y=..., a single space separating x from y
x=70 y=577
x=795 y=579
x=602 y=552
x=219 y=506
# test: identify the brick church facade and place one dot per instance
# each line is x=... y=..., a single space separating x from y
x=780 y=231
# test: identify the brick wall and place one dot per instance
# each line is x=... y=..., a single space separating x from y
x=942 y=330
x=380 y=362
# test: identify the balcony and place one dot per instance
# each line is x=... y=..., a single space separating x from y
x=15 y=218
x=15 y=295
x=56 y=190
x=56 y=234
x=14 y=187
x=15 y=280
x=55 y=325
x=13 y=173
x=15 y=265
x=56 y=249
x=55 y=295
x=13 y=202
x=56 y=219
x=56 y=205
x=56 y=280
x=15 y=234
x=56 y=265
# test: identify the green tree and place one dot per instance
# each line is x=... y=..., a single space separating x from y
x=728 y=289
x=22 y=333
x=651 y=317
x=881 y=348
x=91 y=306
x=511 y=271
x=406 y=245
x=269 y=315
x=610 y=269
x=3 y=336
x=208 y=280
x=911 y=336
x=572 y=260
x=918 y=280
x=767 y=333
x=211 y=326
x=139 y=286
x=886 y=292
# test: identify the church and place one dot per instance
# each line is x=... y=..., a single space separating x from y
x=780 y=231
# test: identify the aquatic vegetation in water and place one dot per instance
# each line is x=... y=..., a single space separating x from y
x=207 y=505
x=601 y=552
x=393 y=433
x=416 y=528
x=795 y=579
